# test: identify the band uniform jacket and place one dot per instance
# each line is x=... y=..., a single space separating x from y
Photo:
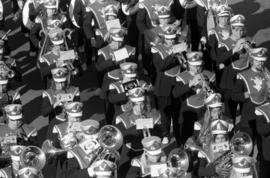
x=117 y=96
x=140 y=165
x=263 y=128
x=105 y=63
x=230 y=64
x=255 y=84
x=167 y=68
x=126 y=122
x=25 y=134
x=95 y=18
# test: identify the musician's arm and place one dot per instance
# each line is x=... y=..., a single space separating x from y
x=263 y=126
x=140 y=20
x=204 y=170
x=34 y=34
x=87 y=25
x=239 y=90
x=115 y=97
x=180 y=89
x=223 y=55
x=201 y=19
x=103 y=64
x=162 y=65
x=46 y=107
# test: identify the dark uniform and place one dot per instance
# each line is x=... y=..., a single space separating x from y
x=263 y=129
x=167 y=68
x=192 y=103
x=126 y=122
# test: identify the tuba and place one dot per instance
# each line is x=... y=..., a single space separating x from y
x=110 y=139
x=178 y=160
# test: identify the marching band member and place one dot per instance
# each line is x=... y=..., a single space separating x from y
x=95 y=19
x=214 y=151
x=147 y=19
x=166 y=62
x=15 y=132
x=102 y=34
x=232 y=59
x=119 y=90
x=263 y=129
x=45 y=20
x=251 y=89
x=127 y=122
x=192 y=86
x=214 y=111
x=55 y=97
x=106 y=58
x=219 y=33
x=152 y=154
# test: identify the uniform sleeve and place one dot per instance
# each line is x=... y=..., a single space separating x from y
x=180 y=89
x=87 y=25
x=239 y=90
x=140 y=20
x=115 y=97
x=46 y=107
x=103 y=64
x=224 y=56
x=163 y=65
x=263 y=127
x=34 y=34
x=204 y=170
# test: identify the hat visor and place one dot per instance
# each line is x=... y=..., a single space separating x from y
x=60 y=79
x=50 y=6
x=103 y=173
x=120 y=39
x=138 y=99
x=215 y=105
x=15 y=117
x=259 y=58
x=111 y=14
x=219 y=132
x=58 y=42
x=237 y=24
x=2 y=82
x=75 y=114
x=173 y=36
x=132 y=75
x=154 y=152
x=224 y=14
x=197 y=63
x=164 y=16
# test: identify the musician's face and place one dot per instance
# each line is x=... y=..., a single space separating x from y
x=50 y=12
x=238 y=32
x=223 y=21
x=116 y=44
x=3 y=88
x=170 y=42
x=60 y=85
x=258 y=64
x=215 y=113
x=164 y=21
x=110 y=17
x=138 y=107
x=195 y=69
x=14 y=124
x=153 y=158
x=220 y=138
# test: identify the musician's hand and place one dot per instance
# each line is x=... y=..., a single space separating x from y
x=59 y=63
x=203 y=40
x=246 y=94
x=222 y=172
x=239 y=45
x=195 y=81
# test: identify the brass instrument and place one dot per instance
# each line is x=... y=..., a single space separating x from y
x=110 y=139
x=205 y=83
x=178 y=160
x=6 y=70
x=241 y=144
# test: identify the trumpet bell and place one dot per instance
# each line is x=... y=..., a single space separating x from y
x=241 y=144
x=178 y=159
x=33 y=156
x=110 y=137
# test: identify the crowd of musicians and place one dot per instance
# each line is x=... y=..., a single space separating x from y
x=181 y=74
